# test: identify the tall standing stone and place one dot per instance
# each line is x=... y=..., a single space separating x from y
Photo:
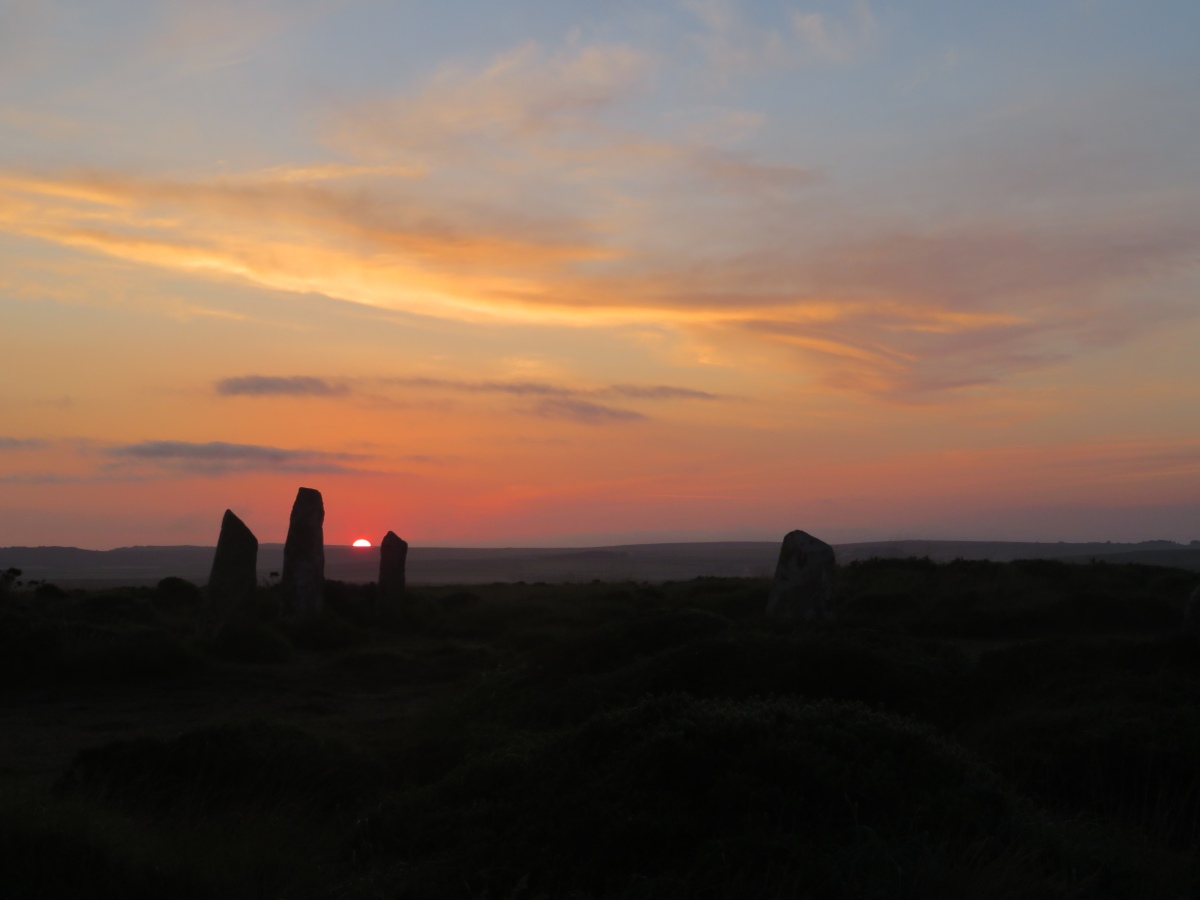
x=803 y=586
x=1191 y=615
x=229 y=599
x=393 y=552
x=303 y=581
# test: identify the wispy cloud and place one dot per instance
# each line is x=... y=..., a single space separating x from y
x=40 y=478
x=735 y=43
x=836 y=40
x=274 y=386
x=220 y=458
x=561 y=401
x=19 y=444
x=507 y=190
x=584 y=411
x=525 y=92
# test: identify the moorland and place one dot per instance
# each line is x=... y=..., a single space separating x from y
x=966 y=729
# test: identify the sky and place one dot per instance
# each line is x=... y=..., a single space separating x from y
x=584 y=272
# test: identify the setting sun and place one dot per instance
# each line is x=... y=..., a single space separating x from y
x=362 y=542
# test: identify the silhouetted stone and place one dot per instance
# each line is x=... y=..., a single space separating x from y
x=803 y=586
x=392 y=554
x=303 y=581
x=229 y=599
x=1191 y=615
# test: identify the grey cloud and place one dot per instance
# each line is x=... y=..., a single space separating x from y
x=545 y=389
x=516 y=388
x=578 y=404
x=584 y=411
x=39 y=478
x=219 y=457
x=9 y=443
x=660 y=392
x=270 y=385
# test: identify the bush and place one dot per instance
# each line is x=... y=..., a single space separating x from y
x=900 y=674
x=115 y=607
x=680 y=797
x=323 y=631
x=178 y=592
x=1138 y=765
x=224 y=767
x=391 y=667
x=77 y=652
x=251 y=644
x=59 y=857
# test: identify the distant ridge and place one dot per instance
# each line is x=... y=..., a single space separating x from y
x=142 y=565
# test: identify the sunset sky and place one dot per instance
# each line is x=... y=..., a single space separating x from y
x=599 y=271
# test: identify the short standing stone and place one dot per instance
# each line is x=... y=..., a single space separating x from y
x=303 y=583
x=229 y=600
x=1191 y=615
x=803 y=586
x=393 y=552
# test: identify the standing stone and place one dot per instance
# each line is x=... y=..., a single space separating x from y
x=1191 y=615
x=230 y=598
x=303 y=581
x=803 y=586
x=392 y=555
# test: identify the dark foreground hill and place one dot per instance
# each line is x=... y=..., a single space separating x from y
x=973 y=730
x=73 y=567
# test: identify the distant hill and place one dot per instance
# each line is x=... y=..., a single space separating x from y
x=73 y=567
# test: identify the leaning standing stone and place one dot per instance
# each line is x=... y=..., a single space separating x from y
x=803 y=586
x=393 y=552
x=303 y=581
x=1191 y=615
x=229 y=599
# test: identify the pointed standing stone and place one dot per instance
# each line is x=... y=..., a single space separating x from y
x=1191 y=615
x=229 y=599
x=303 y=581
x=392 y=555
x=803 y=586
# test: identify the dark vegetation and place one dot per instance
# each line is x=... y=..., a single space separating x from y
x=1028 y=729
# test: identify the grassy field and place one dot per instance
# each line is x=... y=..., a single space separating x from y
x=970 y=729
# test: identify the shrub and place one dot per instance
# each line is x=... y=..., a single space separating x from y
x=222 y=767
x=173 y=591
x=447 y=663
x=78 y=652
x=677 y=796
x=251 y=644
x=901 y=674
x=1138 y=765
x=58 y=857
x=323 y=631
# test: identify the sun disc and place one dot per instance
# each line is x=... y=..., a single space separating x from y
x=362 y=542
